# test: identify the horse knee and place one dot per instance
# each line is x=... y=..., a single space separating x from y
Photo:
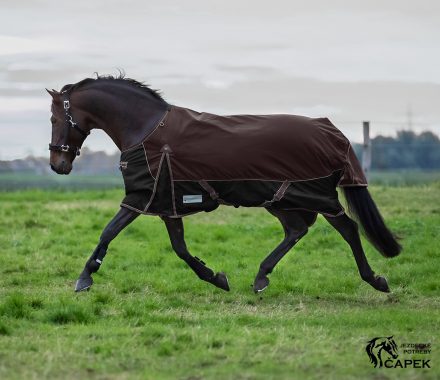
x=367 y=276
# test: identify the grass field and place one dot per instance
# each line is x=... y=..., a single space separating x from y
x=149 y=317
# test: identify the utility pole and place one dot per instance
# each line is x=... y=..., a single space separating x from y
x=366 y=150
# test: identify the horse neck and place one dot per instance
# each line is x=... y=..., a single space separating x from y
x=127 y=117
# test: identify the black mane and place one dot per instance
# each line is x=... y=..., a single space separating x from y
x=119 y=78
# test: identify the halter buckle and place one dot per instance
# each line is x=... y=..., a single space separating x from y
x=66 y=104
x=65 y=148
x=70 y=121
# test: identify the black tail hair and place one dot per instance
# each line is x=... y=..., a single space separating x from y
x=362 y=207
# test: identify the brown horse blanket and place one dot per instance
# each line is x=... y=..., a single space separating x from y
x=195 y=161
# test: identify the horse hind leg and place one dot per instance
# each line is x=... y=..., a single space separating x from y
x=349 y=231
x=295 y=225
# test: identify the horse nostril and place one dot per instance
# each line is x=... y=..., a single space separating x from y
x=52 y=167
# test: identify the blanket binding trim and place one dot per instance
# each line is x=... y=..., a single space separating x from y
x=342 y=212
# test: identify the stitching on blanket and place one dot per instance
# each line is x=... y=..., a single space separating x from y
x=149 y=133
x=258 y=179
x=155 y=184
x=171 y=183
x=148 y=164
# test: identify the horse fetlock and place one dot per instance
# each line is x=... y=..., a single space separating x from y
x=205 y=274
x=265 y=270
x=219 y=279
x=92 y=266
x=199 y=267
x=370 y=277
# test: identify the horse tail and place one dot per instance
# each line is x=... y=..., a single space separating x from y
x=362 y=207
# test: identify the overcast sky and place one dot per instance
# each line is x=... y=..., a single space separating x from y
x=347 y=60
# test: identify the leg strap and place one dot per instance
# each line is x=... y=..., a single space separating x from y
x=278 y=195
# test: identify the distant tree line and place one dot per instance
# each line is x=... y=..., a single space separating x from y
x=407 y=150
x=89 y=163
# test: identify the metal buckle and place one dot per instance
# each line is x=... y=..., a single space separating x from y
x=66 y=104
x=64 y=148
x=70 y=121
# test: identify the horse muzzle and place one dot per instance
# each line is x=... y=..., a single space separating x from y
x=62 y=168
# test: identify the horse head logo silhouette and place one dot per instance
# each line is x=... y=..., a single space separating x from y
x=377 y=346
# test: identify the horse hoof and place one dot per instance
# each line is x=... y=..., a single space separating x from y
x=83 y=284
x=221 y=281
x=260 y=284
x=380 y=283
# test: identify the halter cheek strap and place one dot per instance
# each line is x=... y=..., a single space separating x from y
x=69 y=124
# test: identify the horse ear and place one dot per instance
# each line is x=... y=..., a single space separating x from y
x=54 y=93
x=56 y=96
x=390 y=337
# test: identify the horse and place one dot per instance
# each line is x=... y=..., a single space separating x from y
x=377 y=345
x=176 y=162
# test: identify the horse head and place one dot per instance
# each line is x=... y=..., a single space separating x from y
x=67 y=135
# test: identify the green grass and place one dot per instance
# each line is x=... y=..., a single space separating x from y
x=149 y=317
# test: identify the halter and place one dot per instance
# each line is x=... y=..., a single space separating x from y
x=69 y=124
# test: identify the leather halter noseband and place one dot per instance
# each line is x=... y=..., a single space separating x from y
x=69 y=124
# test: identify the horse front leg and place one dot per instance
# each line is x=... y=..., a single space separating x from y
x=121 y=220
x=176 y=234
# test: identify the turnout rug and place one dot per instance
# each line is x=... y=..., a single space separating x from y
x=194 y=161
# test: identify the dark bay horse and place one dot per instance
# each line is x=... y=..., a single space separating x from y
x=168 y=152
